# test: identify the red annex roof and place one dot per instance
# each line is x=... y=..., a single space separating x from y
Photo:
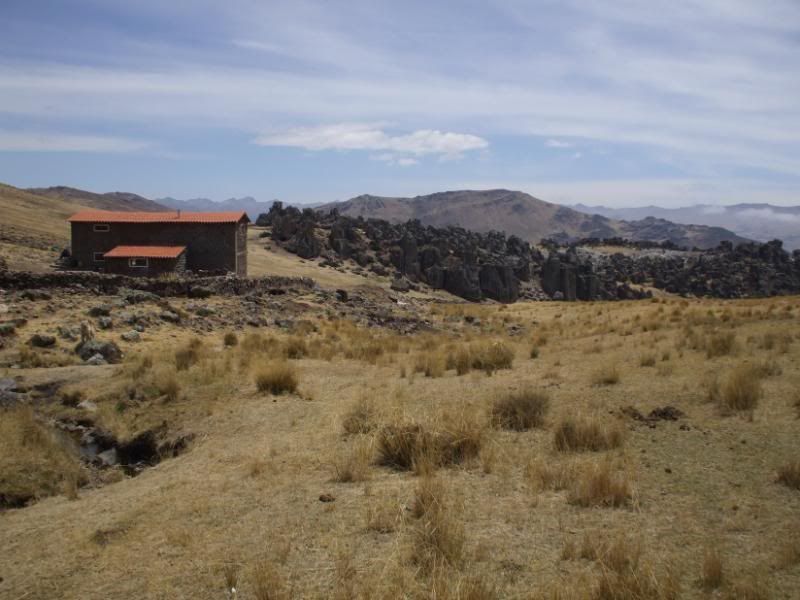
x=110 y=216
x=145 y=252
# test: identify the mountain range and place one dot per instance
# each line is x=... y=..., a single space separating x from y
x=762 y=222
x=514 y=212
x=250 y=205
x=527 y=217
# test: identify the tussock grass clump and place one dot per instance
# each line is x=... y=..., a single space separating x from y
x=401 y=446
x=431 y=364
x=711 y=576
x=600 y=485
x=624 y=574
x=267 y=582
x=437 y=536
x=258 y=343
x=789 y=475
x=295 y=348
x=647 y=360
x=409 y=446
x=554 y=476
x=352 y=464
x=34 y=460
x=230 y=339
x=276 y=378
x=165 y=383
x=586 y=434
x=459 y=440
x=720 y=344
x=188 y=355
x=492 y=357
x=359 y=418
x=520 y=411
x=384 y=516
x=739 y=391
x=607 y=375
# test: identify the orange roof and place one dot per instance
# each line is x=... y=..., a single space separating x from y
x=110 y=216
x=145 y=252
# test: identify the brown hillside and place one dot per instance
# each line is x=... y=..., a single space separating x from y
x=111 y=201
x=523 y=215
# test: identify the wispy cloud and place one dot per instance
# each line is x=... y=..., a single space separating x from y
x=551 y=143
x=366 y=136
x=33 y=141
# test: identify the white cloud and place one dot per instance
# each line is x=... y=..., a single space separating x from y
x=368 y=136
x=557 y=144
x=767 y=214
x=26 y=141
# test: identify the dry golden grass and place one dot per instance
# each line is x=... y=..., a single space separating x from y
x=253 y=481
x=352 y=463
x=521 y=410
x=586 y=434
x=410 y=446
x=712 y=572
x=720 y=344
x=598 y=484
x=606 y=375
x=739 y=391
x=35 y=460
x=230 y=339
x=360 y=417
x=437 y=536
x=276 y=378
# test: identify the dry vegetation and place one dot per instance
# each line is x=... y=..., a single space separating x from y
x=335 y=460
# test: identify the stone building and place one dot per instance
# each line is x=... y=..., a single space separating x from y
x=154 y=243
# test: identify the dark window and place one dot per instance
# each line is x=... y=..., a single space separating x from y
x=137 y=262
x=101 y=227
x=98 y=257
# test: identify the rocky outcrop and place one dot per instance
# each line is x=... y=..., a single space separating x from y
x=470 y=265
x=475 y=266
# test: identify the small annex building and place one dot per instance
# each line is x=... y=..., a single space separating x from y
x=155 y=243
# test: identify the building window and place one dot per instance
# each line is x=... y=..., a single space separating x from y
x=101 y=227
x=137 y=262
x=98 y=257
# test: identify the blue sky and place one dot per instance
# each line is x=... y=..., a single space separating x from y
x=621 y=102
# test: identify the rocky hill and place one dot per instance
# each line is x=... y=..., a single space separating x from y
x=524 y=216
x=761 y=222
x=124 y=201
x=475 y=265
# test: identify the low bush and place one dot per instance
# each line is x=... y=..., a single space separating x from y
x=230 y=339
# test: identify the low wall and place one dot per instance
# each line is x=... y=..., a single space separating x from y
x=104 y=283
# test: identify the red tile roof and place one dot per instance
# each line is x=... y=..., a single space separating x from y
x=110 y=216
x=145 y=252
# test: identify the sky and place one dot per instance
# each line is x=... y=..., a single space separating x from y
x=622 y=103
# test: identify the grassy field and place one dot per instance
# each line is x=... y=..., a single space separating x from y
x=507 y=454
